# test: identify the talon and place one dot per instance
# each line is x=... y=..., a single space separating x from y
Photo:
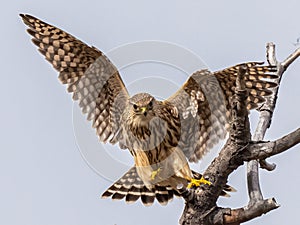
x=154 y=173
x=197 y=183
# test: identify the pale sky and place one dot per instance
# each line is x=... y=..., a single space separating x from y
x=45 y=175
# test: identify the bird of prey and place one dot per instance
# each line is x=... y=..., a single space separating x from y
x=162 y=136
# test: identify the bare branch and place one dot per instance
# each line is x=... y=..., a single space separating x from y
x=240 y=82
x=271 y=56
x=267 y=166
x=291 y=58
x=244 y=214
x=254 y=190
x=268 y=149
x=240 y=128
x=265 y=117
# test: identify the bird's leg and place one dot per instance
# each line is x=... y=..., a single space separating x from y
x=198 y=182
x=154 y=173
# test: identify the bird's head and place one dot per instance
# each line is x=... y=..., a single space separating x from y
x=142 y=106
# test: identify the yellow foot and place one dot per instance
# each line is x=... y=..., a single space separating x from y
x=196 y=183
x=154 y=173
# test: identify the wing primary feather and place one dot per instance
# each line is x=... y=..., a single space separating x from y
x=88 y=73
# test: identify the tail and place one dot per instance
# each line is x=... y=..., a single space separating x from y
x=131 y=187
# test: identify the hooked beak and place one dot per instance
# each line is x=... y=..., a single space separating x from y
x=143 y=109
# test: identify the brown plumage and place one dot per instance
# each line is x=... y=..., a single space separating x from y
x=162 y=136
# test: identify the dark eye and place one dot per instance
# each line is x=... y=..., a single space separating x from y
x=135 y=106
x=150 y=104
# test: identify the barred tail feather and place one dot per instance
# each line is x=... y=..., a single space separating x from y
x=131 y=187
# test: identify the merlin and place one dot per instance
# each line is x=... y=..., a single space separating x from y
x=162 y=136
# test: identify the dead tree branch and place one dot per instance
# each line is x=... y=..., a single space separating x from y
x=265 y=119
x=268 y=149
x=244 y=214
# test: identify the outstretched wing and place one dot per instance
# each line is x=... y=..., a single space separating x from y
x=204 y=104
x=88 y=74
